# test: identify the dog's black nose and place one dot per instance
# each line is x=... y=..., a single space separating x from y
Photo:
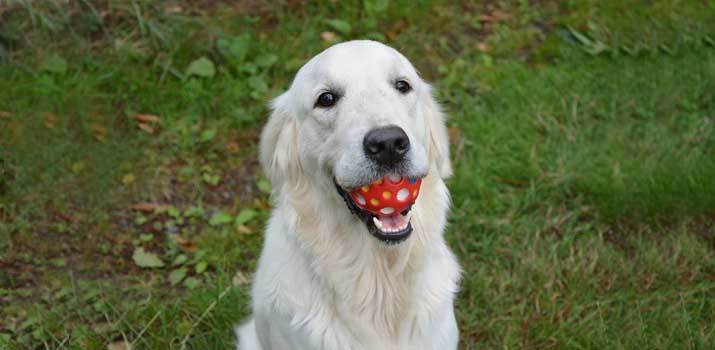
x=387 y=145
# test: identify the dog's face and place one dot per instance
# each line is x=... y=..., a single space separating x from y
x=355 y=113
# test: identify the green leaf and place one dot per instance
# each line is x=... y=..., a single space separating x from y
x=248 y=68
x=54 y=64
x=146 y=259
x=211 y=179
x=194 y=212
x=58 y=262
x=146 y=237
x=201 y=267
x=192 y=282
x=339 y=25
x=220 y=219
x=140 y=219
x=234 y=49
x=202 y=67
x=264 y=186
x=173 y=212
x=374 y=6
x=180 y=259
x=207 y=135
x=266 y=60
x=176 y=276
x=245 y=216
x=258 y=84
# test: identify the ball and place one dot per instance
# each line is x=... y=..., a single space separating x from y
x=388 y=196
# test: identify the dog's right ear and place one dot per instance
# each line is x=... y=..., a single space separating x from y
x=278 y=151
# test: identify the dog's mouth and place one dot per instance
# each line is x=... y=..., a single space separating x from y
x=388 y=227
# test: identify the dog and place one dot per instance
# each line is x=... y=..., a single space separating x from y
x=332 y=274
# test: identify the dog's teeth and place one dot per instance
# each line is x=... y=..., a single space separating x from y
x=377 y=222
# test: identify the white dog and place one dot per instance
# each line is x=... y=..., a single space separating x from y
x=331 y=275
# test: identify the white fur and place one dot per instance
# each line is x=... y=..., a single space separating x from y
x=323 y=282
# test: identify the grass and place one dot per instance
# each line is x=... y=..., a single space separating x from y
x=583 y=142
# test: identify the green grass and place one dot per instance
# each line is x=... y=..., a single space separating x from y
x=583 y=145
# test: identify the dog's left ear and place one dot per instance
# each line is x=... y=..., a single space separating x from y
x=436 y=132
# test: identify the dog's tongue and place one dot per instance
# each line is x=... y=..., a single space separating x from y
x=387 y=197
x=393 y=223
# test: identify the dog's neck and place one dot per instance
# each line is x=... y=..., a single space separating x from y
x=368 y=277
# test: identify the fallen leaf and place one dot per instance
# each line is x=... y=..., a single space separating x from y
x=146 y=259
x=239 y=279
x=146 y=128
x=146 y=118
x=50 y=120
x=454 y=134
x=399 y=25
x=501 y=14
x=99 y=131
x=128 y=179
x=173 y=9
x=495 y=16
x=484 y=47
x=244 y=229
x=188 y=245
x=6 y=114
x=512 y=182
x=147 y=207
x=328 y=36
x=397 y=28
x=233 y=147
x=119 y=345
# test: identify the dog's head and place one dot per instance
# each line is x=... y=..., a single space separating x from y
x=355 y=113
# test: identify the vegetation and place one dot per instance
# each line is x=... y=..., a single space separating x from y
x=131 y=203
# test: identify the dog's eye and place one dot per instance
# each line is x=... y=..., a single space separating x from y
x=326 y=99
x=403 y=86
